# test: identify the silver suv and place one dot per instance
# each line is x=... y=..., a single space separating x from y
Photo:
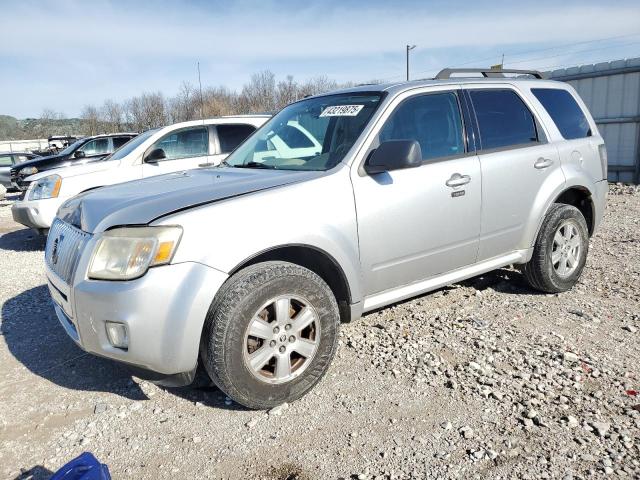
x=250 y=267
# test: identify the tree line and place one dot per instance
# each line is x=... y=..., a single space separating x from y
x=262 y=94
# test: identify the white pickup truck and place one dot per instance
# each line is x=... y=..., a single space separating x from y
x=177 y=147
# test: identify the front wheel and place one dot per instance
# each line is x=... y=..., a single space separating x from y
x=270 y=334
x=560 y=252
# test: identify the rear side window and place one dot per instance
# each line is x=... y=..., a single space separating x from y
x=120 y=141
x=564 y=111
x=503 y=119
x=5 y=161
x=231 y=136
x=433 y=120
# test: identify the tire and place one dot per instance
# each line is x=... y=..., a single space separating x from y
x=260 y=292
x=544 y=271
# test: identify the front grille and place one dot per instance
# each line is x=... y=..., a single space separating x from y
x=64 y=246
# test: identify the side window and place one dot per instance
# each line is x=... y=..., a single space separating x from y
x=230 y=136
x=119 y=141
x=99 y=146
x=433 y=120
x=564 y=111
x=192 y=142
x=21 y=158
x=5 y=161
x=503 y=119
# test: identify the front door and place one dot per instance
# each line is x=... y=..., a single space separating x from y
x=183 y=150
x=420 y=222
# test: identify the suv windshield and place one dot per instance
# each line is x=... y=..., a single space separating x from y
x=313 y=134
x=130 y=146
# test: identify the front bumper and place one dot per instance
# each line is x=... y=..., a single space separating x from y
x=36 y=214
x=164 y=312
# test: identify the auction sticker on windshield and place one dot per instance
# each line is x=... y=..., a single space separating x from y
x=341 y=111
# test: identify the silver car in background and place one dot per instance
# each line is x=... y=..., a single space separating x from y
x=249 y=267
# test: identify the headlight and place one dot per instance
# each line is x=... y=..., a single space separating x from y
x=28 y=171
x=47 y=187
x=127 y=253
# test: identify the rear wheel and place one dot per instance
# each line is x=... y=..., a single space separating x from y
x=270 y=334
x=560 y=252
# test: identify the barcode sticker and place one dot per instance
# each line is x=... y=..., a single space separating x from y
x=341 y=111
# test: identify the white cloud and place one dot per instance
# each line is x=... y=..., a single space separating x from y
x=67 y=53
x=269 y=30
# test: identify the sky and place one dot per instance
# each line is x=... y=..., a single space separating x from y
x=62 y=55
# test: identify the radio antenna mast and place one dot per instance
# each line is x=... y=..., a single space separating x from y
x=201 y=100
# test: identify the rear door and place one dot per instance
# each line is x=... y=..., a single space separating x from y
x=228 y=137
x=184 y=149
x=119 y=141
x=517 y=162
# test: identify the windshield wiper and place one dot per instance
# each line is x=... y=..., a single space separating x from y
x=256 y=165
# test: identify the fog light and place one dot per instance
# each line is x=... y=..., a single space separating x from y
x=117 y=334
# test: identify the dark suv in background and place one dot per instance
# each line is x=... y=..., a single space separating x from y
x=85 y=150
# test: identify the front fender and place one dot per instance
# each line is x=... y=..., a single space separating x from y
x=318 y=213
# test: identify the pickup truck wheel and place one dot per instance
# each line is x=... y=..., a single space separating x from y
x=270 y=334
x=560 y=252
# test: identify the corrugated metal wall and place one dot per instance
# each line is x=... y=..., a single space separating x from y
x=611 y=90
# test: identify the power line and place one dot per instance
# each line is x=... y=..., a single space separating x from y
x=549 y=56
x=519 y=54
x=574 y=52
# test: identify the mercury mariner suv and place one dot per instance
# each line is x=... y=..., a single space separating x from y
x=248 y=268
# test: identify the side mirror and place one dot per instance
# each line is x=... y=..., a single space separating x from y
x=79 y=154
x=394 y=155
x=155 y=155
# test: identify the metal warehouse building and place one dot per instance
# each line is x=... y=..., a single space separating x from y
x=611 y=90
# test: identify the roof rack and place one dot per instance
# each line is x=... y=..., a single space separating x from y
x=445 y=73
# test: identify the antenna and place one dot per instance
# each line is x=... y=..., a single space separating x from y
x=201 y=101
x=409 y=48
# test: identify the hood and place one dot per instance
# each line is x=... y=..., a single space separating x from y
x=50 y=161
x=141 y=201
x=74 y=170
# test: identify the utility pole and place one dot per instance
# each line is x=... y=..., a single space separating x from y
x=409 y=48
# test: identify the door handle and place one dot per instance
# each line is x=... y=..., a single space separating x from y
x=204 y=164
x=543 y=163
x=458 y=180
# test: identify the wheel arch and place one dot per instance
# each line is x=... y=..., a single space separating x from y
x=315 y=259
x=580 y=197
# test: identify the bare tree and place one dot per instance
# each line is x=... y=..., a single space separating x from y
x=147 y=111
x=185 y=105
x=286 y=92
x=259 y=95
x=316 y=85
x=263 y=93
x=91 y=119
x=112 y=116
x=219 y=101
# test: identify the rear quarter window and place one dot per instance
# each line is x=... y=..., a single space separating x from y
x=564 y=111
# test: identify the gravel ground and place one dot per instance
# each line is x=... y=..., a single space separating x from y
x=483 y=379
